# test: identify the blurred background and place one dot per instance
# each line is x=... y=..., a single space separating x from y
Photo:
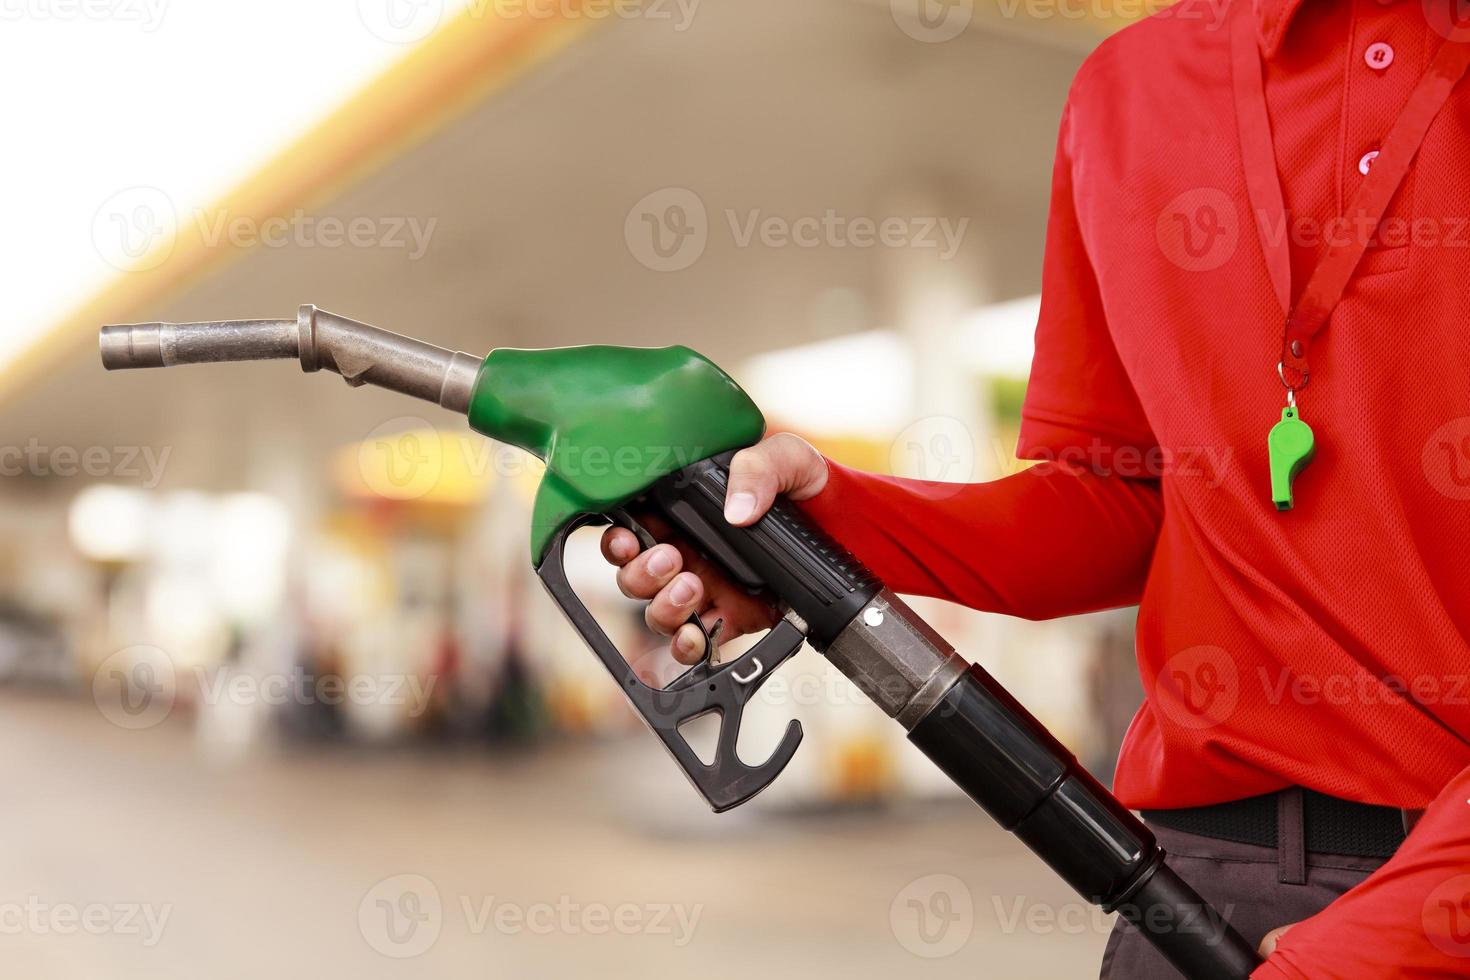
x=278 y=690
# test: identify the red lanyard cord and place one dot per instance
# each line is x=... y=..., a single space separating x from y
x=1334 y=270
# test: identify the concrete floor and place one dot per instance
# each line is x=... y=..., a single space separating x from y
x=579 y=861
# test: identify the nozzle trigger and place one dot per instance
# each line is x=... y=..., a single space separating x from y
x=646 y=540
x=725 y=689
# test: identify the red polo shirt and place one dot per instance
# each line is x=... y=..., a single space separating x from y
x=1325 y=646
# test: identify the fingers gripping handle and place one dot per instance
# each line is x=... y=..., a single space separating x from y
x=726 y=781
x=783 y=553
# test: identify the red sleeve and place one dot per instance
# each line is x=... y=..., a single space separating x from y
x=1080 y=404
x=1057 y=539
x=1410 y=919
x=1048 y=541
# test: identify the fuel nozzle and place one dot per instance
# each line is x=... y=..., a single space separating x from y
x=360 y=353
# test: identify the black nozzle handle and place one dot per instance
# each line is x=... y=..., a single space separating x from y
x=960 y=717
x=1202 y=945
x=1007 y=762
x=782 y=554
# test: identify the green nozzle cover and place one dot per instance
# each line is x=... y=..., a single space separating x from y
x=608 y=421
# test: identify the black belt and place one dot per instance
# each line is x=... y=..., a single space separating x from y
x=1332 y=825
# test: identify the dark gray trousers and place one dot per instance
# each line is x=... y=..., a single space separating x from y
x=1256 y=888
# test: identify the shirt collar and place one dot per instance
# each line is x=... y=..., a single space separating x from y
x=1273 y=17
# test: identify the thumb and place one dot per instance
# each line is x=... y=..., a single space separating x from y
x=1268 y=945
x=783 y=463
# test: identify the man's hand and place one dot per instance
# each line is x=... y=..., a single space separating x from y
x=1268 y=945
x=678 y=581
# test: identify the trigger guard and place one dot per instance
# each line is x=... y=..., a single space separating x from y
x=726 y=781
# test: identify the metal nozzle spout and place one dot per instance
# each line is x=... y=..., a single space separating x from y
x=360 y=353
